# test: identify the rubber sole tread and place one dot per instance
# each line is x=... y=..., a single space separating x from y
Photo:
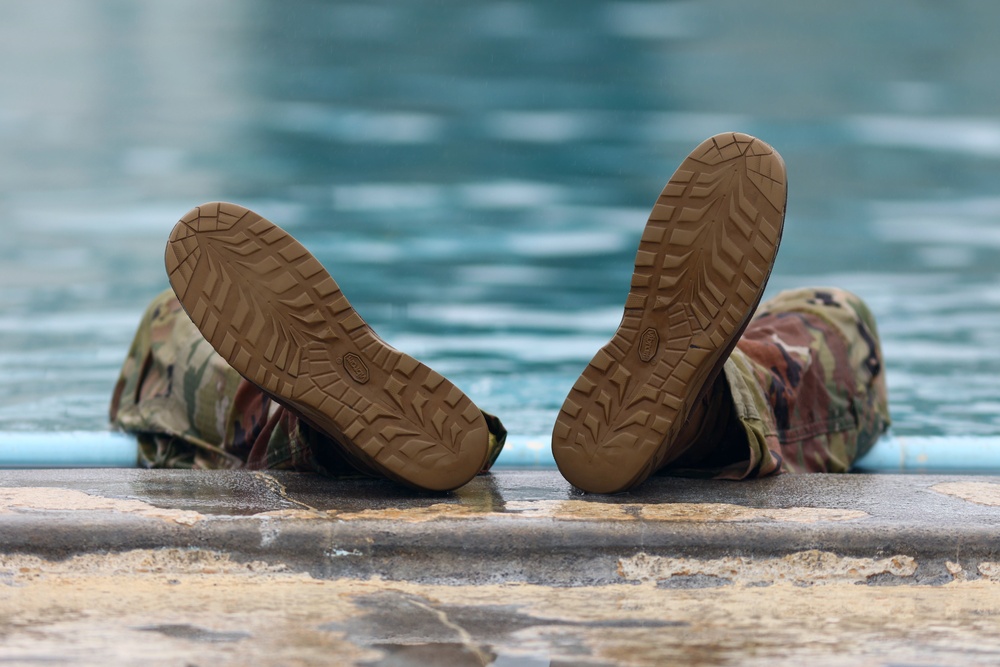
x=275 y=315
x=700 y=270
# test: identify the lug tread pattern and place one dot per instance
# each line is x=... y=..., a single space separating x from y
x=700 y=270
x=274 y=313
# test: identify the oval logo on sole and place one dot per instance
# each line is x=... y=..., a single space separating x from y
x=648 y=344
x=356 y=368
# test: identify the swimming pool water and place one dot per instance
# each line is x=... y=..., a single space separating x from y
x=476 y=175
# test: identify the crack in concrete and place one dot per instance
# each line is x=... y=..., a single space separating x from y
x=464 y=636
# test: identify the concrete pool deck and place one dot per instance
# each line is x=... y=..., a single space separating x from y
x=168 y=567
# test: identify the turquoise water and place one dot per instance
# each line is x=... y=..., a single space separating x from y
x=476 y=175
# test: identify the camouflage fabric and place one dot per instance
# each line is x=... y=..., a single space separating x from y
x=190 y=409
x=804 y=391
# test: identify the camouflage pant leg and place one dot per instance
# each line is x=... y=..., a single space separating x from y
x=190 y=409
x=804 y=391
x=174 y=393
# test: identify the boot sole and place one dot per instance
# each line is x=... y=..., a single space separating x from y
x=274 y=313
x=705 y=256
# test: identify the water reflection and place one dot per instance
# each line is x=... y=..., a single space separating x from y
x=476 y=176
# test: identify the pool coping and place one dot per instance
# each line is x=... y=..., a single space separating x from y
x=521 y=526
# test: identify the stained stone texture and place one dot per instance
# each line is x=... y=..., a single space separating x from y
x=517 y=568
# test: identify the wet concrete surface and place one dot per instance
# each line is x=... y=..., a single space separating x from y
x=129 y=610
x=523 y=526
x=517 y=568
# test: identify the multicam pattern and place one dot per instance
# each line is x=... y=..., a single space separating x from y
x=173 y=393
x=190 y=409
x=807 y=388
x=804 y=391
